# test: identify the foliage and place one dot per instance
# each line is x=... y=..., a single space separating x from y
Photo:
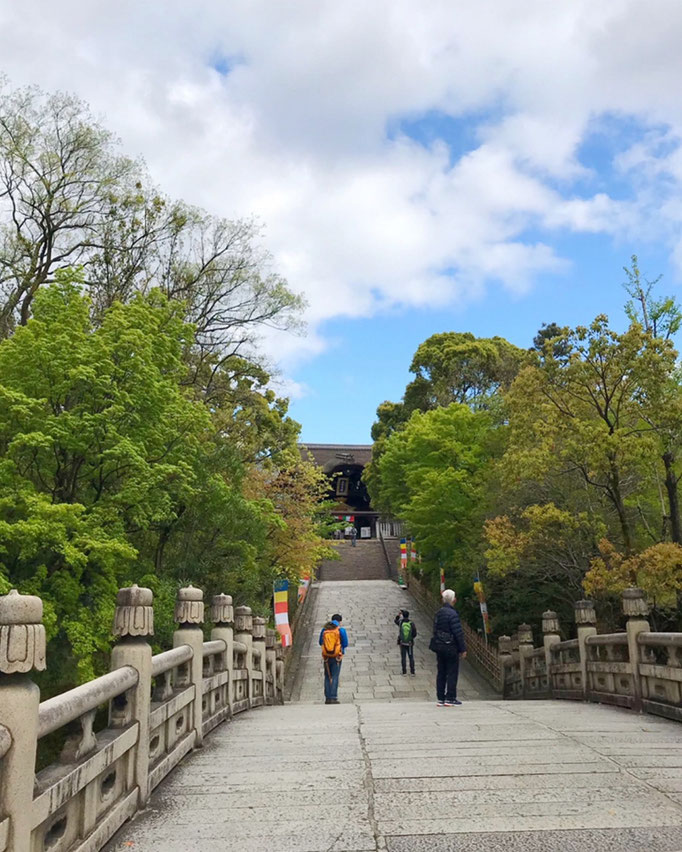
x=114 y=469
x=657 y=570
x=549 y=544
x=430 y=476
x=68 y=198
x=578 y=490
x=452 y=367
x=581 y=415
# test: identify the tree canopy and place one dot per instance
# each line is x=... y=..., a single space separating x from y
x=579 y=443
x=140 y=440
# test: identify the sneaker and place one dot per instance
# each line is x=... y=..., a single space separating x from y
x=413 y=674
x=453 y=703
x=440 y=704
x=327 y=701
x=404 y=673
x=336 y=701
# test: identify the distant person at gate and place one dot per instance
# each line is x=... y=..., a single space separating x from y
x=334 y=641
x=407 y=633
x=449 y=646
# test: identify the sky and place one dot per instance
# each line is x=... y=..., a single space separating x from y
x=418 y=166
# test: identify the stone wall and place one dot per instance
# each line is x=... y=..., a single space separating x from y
x=160 y=707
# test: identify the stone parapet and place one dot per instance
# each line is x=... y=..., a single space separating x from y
x=160 y=708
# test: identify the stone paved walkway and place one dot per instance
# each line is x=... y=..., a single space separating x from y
x=388 y=770
x=371 y=668
x=499 y=776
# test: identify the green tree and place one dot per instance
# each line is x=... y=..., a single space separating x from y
x=70 y=199
x=98 y=441
x=581 y=415
x=431 y=476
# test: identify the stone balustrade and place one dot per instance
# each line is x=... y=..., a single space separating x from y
x=635 y=668
x=125 y=731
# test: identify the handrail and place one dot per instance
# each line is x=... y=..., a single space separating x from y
x=215 y=646
x=607 y=639
x=660 y=640
x=56 y=712
x=167 y=660
x=536 y=652
x=566 y=645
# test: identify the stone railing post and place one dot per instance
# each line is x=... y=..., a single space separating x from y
x=133 y=624
x=271 y=665
x=586 y=624
x=222 y=616
x=189 y=615
x=525 y=637
x=279 y=668
x=259 y=627
x=22 y=648
x=636 y=609
x=504 y=649
x=550 y=636
x=243 y=632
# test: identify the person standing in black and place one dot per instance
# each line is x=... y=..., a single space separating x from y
x=407 y=633
x=449 y=646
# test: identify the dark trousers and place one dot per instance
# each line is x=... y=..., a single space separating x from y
x=332 y=670
x=407 y=651
x=446 y=681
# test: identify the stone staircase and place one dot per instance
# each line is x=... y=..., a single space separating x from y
x=365 y=561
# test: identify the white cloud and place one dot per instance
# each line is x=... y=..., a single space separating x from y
x=296 y=131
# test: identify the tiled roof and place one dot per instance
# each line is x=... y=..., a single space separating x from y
x=329 y=456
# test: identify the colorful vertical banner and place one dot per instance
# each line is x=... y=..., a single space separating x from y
x=413 y=551
x=282 y=611
x=303 y=586
x=442 y=578
x=403 y=561
x=480 y=594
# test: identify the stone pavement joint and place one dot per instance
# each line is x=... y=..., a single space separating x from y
x=388 y=770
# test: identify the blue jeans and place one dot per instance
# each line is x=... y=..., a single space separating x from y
x=332 y=670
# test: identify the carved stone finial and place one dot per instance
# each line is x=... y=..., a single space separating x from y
x=270 y=638
x=525 y=634
x=259 y=628
x=634 y=603
x=550 y=622
x=243 y=620
x=504 y=645
x=189 y=606
x=22 y=634
x=585 y=613
x=514 y=641
x=134 y=612
x=222 y=611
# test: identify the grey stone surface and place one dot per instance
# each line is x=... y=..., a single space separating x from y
x=352 y=778
x=633 y=839
x=371 y=669
x=388 y=770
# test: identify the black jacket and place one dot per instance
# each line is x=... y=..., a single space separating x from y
x=399 y=621
x=447 y=622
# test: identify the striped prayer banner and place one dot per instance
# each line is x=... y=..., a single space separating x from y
x=282 y=611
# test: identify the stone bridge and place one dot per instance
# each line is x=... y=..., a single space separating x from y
x=191 y=749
